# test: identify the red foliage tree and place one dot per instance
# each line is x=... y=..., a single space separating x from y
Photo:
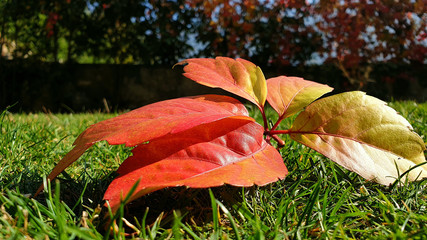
x=359 y=33
x=273 y=32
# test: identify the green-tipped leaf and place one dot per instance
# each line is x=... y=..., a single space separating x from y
x=289 y=95
x=239 y=76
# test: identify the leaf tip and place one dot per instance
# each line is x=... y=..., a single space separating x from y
x=182 y=63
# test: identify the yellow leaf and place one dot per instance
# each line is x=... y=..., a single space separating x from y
x=363 y=135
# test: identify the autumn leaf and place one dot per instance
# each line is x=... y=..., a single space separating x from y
x=289 y=95
x=363 y=135
x=154 y=121
x=239 y=76
x=217 y=153
x=162 y=118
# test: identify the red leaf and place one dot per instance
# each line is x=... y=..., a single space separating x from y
x=161 y=118
x=153 y=121
x=222 y=152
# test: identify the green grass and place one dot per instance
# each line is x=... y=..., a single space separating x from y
x=317 y=200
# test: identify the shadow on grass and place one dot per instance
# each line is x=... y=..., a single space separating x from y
x=194 y=205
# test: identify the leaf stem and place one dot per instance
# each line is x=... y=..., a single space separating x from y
x=277 y=122
x=274 y=132
x=264 y=119
x=279 y=141
x=288 y=131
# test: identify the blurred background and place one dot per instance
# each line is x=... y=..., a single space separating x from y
x=76 y=55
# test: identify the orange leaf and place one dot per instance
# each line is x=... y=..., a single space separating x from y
x=239 y=76
x=289 y=95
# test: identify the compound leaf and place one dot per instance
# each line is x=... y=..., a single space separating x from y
x=363 y=135
x=239 y=76
x=221 y=152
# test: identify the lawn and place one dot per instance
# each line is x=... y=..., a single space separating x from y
x=317 y=200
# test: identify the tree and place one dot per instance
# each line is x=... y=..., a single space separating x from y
x=357 y=34
x=350 y=34
x=273 y=32
x=145 y=32
x=140 y=31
